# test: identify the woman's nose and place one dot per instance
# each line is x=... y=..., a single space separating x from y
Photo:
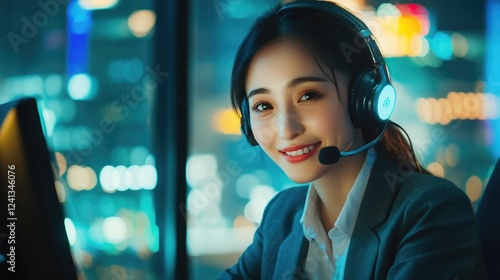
x=289 y=125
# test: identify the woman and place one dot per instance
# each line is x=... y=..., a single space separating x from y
x=309 y=82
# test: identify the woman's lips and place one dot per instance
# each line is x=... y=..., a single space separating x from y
x=299 y=153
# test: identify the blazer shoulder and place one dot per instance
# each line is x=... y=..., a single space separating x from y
x=289 y=199
x=420 y=182
x=284 y=206
x=423 y=187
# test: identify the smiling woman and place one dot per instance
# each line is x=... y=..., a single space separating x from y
x=293 y=95
x=314 y=92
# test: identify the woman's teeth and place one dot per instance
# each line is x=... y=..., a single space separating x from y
x=302 y=151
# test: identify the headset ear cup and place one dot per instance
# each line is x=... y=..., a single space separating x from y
x=246 y=129
x=353 y=90
x=360 y=97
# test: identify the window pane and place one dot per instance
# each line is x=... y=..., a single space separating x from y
x=90 y=63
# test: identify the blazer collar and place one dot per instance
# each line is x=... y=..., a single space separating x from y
x=376 y=203
x=380 y=190
x=292 y=253
x=364 y=244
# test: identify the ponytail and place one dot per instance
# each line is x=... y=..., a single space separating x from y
x=397 y=147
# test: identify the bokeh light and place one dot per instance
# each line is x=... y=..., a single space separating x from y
x=259 y=197
x=199 y=168
x=114 y=229
x=452 y=155
x=226 y=121
x=81 y=177
x=122 y=178
x=436 y=168
x=458 y=105
x=460 y=44
x=62 y=165
x=97 y=4
x=141 y=22
x=61 y=192
x=441 y=45
x=82 y=87
x=244 y=185
x=474 y=188
x=70 y=231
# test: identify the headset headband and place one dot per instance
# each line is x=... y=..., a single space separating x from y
x=349 y=20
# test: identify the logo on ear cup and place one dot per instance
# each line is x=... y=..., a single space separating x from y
x=387 y=102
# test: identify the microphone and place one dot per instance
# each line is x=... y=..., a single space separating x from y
x=332 y=154
x=329 y=155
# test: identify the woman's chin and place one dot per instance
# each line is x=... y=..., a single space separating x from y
x=297 y=178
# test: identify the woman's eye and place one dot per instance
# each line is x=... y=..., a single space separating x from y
x=261 y=107
x=308 y=95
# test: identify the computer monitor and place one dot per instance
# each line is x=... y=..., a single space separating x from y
x=33 y=239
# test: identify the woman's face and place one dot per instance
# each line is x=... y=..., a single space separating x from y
x=295 y=110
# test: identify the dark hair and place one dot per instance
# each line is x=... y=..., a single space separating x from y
x=324 y=36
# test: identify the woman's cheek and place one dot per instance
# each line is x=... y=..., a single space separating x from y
x=264 y=134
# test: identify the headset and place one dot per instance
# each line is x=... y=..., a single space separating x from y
x=372 y=97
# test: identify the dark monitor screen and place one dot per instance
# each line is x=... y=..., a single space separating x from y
x=33 y=239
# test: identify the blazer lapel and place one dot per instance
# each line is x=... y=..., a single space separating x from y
x=292 y=253
x=362 y=254
x=364 y=245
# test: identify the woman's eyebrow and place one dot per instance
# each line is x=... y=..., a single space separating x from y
x=297 y=81
x=292 y=83
x=257 y=91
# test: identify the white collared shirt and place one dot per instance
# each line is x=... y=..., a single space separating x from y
x=323 y=261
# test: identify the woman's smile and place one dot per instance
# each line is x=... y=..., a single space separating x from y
x=299 y=153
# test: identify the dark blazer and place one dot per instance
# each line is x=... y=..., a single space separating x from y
x=489 y=225
x=409 y=226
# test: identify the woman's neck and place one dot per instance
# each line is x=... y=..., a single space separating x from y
x=334 y=187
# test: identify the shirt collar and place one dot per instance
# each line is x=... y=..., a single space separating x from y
x=347 y=217
x=310 y=218
x=349 y=213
